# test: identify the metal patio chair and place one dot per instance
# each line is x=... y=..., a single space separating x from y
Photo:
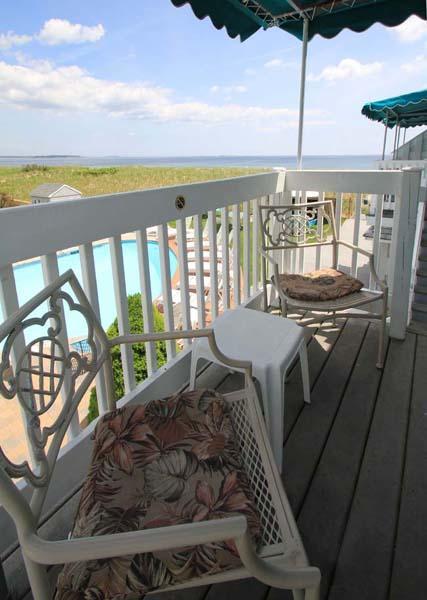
x=43 y=367
x=286 y=230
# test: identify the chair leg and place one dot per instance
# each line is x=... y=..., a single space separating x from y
x=312 y=593
x=305 y=374
x=266 y=408
x=275 y=399
x=284 y=308
x=38 y=579
x=381 y=341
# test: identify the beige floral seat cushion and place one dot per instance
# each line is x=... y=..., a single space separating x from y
x=325 y=284
x=171 y=461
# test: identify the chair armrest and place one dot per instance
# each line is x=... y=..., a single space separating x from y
x=161 y=336
x=163 y=538
x=382 y=284
x=356 y=248
x=135 y=338
x=271 y=260
x=133 y=542
x=274 y=575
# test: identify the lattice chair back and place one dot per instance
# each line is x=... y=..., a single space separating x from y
x=288 y=226
x=38 y=369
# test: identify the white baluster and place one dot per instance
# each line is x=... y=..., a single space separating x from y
x=246 y=251
x=225 y=238
x=255 y=246
x=120 y=295
x=200 y=284
x=236 y=253
x=87 y=264
x=356 y=233
x=320 y=215
x=377 y=234
x=213 y=264
x=146 y=297
x=9 y=305
x=301 y=251
x=50 y=273
x=162 y=234
x=183 y=275
x=338 y=216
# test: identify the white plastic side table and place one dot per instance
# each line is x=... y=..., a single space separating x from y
x=271 y=343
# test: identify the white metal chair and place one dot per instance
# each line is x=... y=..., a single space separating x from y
x=287 y=228
x=270 y=344
x=36 y=376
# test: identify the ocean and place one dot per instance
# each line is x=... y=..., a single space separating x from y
x=309 y=162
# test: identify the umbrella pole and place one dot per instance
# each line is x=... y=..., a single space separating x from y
x=395 y=141
x=404 y=136
x=385 y=138
x=302 y=92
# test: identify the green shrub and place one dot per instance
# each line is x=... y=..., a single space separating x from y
x=139 y=358
x=6 y=200
x=97 y=171
x=33 y=167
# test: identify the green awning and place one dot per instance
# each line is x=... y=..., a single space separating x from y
x=326 y=17
x=408 y=110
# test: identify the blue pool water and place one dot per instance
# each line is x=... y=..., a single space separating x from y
x=29 y=279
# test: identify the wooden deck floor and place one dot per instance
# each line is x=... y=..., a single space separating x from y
x=355 y=469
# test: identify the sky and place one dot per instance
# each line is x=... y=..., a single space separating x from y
x=143 y=78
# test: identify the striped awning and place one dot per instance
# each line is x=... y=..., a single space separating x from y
x=326 y=17
x=408 y=110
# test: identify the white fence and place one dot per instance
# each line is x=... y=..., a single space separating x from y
x=45 y=230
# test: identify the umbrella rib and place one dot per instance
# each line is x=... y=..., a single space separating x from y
x=308 y=12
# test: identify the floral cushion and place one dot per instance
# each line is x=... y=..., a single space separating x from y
x=325 y=284
x=169 y=462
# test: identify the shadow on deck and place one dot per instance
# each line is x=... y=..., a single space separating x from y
x=355 y=468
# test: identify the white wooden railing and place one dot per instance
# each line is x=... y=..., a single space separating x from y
x=46 y=229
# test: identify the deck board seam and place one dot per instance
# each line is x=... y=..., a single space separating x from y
x=403 y=469
x=319 y=458
x=359 y=469
x=313 y=384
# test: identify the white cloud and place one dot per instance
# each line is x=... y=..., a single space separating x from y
x=61 y=31
x=417 y=65
x=53 y=33
x=41 y=64
x=10 y=38
x=275 y=63
x=250 y=71
x=348 y=68
x=278 y=63
x=72 y=89
x=412 y=30
x=229 y=89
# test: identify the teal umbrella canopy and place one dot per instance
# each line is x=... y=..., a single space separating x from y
x=408 y=110
x=326 y=17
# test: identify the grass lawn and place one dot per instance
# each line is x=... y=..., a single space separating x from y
x=19 y=181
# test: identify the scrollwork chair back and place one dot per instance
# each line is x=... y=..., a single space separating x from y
x=288 y=226
x=44 y=373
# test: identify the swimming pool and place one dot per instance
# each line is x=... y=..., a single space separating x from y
x=29 y=279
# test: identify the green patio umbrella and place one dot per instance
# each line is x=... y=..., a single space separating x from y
x=407 y=110
x=303 y=19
